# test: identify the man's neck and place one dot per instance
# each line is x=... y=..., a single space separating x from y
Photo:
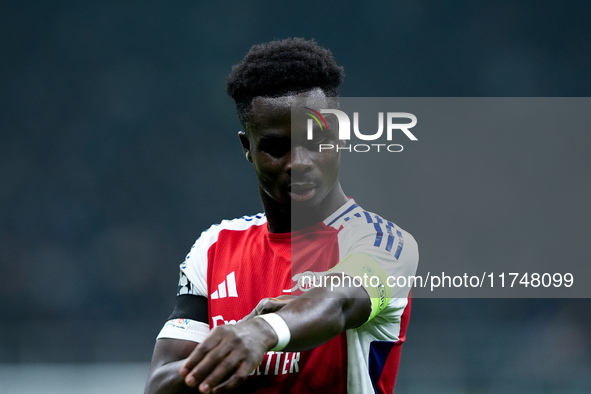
x=285 y=218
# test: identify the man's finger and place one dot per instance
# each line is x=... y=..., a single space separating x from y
x=226 y=368
x=234 y=381
x=208 y=364
x=269 y=305
x=197 y=355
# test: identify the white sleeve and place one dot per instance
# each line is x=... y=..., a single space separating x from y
x=185 y=329
x=194 y=268
x=192 y=281
x=394 y=249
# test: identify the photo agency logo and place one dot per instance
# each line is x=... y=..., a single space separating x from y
x=396 y=123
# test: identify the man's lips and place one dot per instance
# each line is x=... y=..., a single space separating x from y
x=302 y=191
x=299 y=187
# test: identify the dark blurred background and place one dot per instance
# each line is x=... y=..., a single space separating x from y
x=118 y=147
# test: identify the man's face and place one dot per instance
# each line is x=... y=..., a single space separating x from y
x=289 y=167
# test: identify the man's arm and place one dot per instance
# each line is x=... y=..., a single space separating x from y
x=168 y=357
x=232 y=352
x=177 y=339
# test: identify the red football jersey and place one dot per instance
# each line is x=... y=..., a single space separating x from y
x=237 y=263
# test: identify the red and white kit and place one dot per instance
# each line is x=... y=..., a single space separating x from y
x=235 y=264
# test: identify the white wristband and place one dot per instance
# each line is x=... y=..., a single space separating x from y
x=280 y=327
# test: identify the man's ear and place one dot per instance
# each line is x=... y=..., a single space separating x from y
x=245 y=144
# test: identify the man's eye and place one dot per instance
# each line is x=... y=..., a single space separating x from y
x=321 y=139
x=277 y=149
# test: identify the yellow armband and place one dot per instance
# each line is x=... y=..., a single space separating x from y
x=367 y=273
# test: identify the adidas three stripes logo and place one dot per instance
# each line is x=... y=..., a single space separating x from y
x=227 y=288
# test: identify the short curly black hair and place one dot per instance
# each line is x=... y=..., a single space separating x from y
x=282 y=67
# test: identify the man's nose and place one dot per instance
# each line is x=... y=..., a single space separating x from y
x=300 y=160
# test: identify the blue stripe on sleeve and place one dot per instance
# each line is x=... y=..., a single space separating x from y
x=352 y=207
x=379 y=231
x=390 y=242
x=400 y=244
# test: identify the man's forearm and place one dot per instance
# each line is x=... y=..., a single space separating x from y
x=321 y=314
x=169 y=356
x=166 y=379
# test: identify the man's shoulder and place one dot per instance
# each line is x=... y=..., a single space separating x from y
x=241 y=223
x=210 y=236
x=359 y=227
x=354 y=217
x=238 y=224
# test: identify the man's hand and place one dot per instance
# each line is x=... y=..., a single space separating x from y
x=270 y=305
x=226 y=358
